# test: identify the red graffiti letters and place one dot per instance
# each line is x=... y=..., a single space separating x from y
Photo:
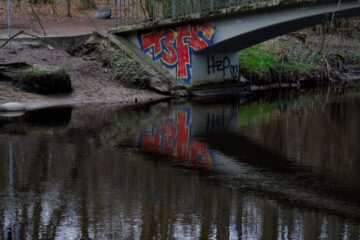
x=174 y=48
x=183 y=53
x=173 y=138
x=201 y=35
x=153 y=41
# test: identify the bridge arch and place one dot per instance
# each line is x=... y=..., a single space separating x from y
x=240 y=32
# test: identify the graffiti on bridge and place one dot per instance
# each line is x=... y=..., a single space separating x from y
x=222 y=65
x=173 y=138
x=175 y=48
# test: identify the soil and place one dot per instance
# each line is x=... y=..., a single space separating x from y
x=91 y=81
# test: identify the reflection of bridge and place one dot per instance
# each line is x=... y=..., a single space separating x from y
x=207 y=139
x=198 y=41
x=174 y=135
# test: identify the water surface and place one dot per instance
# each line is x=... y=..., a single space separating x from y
x=279 y=166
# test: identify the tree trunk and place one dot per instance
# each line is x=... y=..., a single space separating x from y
x=68 y=8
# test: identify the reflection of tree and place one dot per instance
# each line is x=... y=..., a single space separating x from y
x=56 y=217
x=319 y=138
x=35 y=175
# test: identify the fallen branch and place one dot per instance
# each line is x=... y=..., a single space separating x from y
x=48 y=41
x=30 y=35
x=17 y=34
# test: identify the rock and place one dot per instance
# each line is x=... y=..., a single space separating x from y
x=12 y=107
x=45 y=81
x=159 y=86
x=179 y=92
x=103 y=13
x=243 y=79
x=12 y=71
x=12 y=114
x=42 y=80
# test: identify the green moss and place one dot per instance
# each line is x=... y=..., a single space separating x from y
x=259 y=59
x=35 y=72
x=45 y=81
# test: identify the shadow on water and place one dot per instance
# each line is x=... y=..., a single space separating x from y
x=45 y=118
x=53 y=117
x=208 y=168
x=278 y=175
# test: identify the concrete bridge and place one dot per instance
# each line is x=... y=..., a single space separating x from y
x=202 y=47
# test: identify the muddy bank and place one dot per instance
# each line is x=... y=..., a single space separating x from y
x=92 y=81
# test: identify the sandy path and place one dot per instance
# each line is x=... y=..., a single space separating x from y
x=66 y=27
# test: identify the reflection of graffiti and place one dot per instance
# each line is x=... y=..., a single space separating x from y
x=173 y=138
x=175 y=48
x=222 y=65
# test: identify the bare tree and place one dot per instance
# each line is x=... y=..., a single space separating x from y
x=68 y=2
x=37 y=17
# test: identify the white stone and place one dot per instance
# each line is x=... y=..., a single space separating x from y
x=12 y=107
x=11 y=114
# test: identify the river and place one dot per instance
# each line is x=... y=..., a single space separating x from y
x=284 y=165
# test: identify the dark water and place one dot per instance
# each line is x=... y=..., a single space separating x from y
x=280 y=166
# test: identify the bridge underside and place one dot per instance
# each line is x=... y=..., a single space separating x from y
x=240 y=32
x=207 y=51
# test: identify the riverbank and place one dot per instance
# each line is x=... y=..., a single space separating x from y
x=104 y=70
x=311 y=57
x=92 y=82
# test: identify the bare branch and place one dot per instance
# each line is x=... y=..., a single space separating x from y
x=333 y=15
x=37 y=18
x=17 y=34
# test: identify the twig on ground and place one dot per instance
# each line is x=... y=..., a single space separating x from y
x=30 y=35
x=17 y=34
